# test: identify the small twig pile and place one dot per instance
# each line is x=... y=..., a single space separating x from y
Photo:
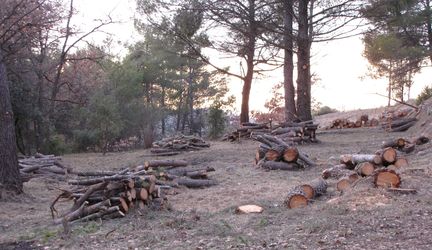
x=177 y=144
x=273 y=153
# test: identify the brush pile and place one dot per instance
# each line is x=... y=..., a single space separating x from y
x=108 y=194
x=362 y=121
x=176 y=144
x=40 y=165
x=274 y=153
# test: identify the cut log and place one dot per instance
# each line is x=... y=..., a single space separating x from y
x=344 y=183
x=307 y=160
x=421 y=140
x=397 y=143
x=165 y=163
x=387 y=178
x=388 y=156
x=273 y=155
x=404 y=127
x=401 y=162
x=338 y=171
x=142 y=194
x=351 y=160
x=247 y=209
x=314 y=188
x=408 y=148
x=274 y=165
x=124 y=207
x=290 y=154
x=195 y=183
x=296 y=198
x=365 y=168
x=89 y=191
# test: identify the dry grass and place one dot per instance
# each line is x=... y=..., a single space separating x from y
x=362 y=218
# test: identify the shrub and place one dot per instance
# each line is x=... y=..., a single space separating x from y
x=424 y=95
x=56 y=145
x=324 y=110
x=216 y=121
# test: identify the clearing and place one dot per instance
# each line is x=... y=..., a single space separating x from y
x=362 y=218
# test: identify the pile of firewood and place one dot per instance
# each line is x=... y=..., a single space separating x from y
x=299 y=196
x=399 y=125
x=383 y=166
x=177 y=144
x=363 y=121
x=246 y=129
x=41 y=165
x=274 y=153
x=107 y=194
x=405 y=145
x=296 y=132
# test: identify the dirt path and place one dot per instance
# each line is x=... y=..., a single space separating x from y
x=363 y=218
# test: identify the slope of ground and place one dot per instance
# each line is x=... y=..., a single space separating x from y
x=363 y=218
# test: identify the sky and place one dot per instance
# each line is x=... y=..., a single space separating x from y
x=339 y=65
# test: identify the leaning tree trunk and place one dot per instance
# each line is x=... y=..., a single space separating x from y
x=303 y=64
x=290 y=109
x=10 y=179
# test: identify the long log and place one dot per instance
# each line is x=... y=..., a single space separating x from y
x=165 y=163
x=195 y=183
x=274 y=165
x=403 y=127
x=90 y=191
x=339 y=171
x=351 y=160
x=394 y=143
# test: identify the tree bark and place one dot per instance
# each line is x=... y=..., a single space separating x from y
x=290 y=108
x=250 y=54
x=303 y=63
x=10 y=179
x=429 y=27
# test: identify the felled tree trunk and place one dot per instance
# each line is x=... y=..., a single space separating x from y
x=387 y=178
x=273 y=165
x=314 y=188
x=296 y=198
x=165 y=163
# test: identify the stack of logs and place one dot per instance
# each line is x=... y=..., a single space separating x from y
x=382 y=166
x=245 y=130
x=40 y=165
x=363 y=121
x=108 y=194
x=296 y=132
x=273 y=153
x=299 y=196
x=399 y=125
x=175 y=145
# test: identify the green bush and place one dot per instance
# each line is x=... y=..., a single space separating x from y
x=216 y=121
x=85 y=139
x=424 y=95
x=324 y=110
x=57 y=146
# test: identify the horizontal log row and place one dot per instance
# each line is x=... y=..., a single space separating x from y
x=273 y=153
x=383 y=166
x=362 y=121
x=301 y=195
x=175 y=145
x=246 y=129
x=405 y=145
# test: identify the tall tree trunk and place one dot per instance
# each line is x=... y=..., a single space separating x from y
x=303 y=64
x=390 y=85
x=250 y=54
x=191 y=100
x=290 y=108
x=163 y=110
x=10 y=179
x=429 y=27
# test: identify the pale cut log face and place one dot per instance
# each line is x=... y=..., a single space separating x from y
x=308 y=190
x=343 y=185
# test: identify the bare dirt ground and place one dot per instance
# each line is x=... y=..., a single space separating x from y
x=362 y=218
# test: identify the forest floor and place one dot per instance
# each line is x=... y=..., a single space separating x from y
x=362 y=218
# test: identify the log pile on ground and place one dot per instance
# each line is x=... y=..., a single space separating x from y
x=245 y=130
x=384 y=166
x=405 y=145
x=177 y=144
x=362 y=121
x=301 y=195
x=40 y=165
x=108 y=194
x=296 y=132
x=399 y=125
x=274 y=153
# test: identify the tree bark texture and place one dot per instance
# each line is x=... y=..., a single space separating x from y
x=290 y=108
x=10 y=179
x=303 y=64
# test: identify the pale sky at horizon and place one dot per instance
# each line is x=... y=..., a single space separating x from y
x=339 y=64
